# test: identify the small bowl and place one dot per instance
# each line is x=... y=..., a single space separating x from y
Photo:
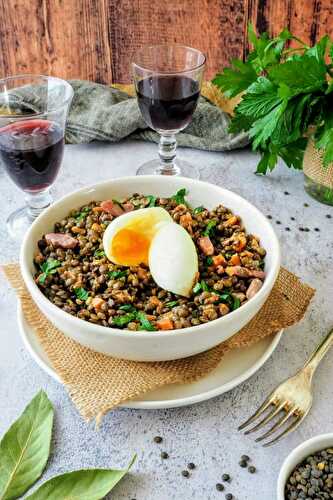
x=297 y=456
x=152 y=346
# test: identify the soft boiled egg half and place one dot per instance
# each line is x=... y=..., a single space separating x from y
x=150 y=236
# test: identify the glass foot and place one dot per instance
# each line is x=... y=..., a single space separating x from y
x=181 y=168
x=18 y=223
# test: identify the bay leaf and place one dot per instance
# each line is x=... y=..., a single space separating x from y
x=86 y=484
x=25 y=447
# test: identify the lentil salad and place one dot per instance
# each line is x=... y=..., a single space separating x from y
x=73 y=272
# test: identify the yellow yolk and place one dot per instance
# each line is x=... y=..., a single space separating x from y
x=130 y=247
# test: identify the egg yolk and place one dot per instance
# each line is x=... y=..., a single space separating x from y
x=130 y=248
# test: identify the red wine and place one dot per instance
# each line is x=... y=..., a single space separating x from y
x=31 y=152
x=167 y=102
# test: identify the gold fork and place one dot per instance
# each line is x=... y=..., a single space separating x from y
x=293 y=398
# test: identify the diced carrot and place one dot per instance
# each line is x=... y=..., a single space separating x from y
x=219 y=260
x=150 y=317
x=98 y=209
x=97 y=303
x=164 y=324
x=235 y=260
x=231 y=221
x=240 y=243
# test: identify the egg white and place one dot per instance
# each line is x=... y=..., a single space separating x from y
x=173 y=259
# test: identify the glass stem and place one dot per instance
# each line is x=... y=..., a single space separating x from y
x=37 y=202
x=167 y=153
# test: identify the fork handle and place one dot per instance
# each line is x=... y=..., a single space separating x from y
x=316 y=357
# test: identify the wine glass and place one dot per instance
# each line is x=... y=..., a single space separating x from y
x=33 y=112
x=168 y=80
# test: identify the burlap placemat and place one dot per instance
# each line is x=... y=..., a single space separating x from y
x=314 y=168
x=98 y=383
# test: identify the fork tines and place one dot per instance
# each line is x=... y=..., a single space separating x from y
x=288 y=413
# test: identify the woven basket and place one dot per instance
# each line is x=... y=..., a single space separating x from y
x=313 y=166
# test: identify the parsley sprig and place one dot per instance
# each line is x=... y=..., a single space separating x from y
x=132 y=315
x=48 y=267
x=285 y=91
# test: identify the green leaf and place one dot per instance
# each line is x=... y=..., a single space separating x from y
x=268 y=162
x=25 y=448
x=324 y=138
x=210 y=227
x=232 y=81
x=145 y=323
x=236 y=303
x=127 y=308
x=99 y=253
x=196 y=288
x=292 y=154
x=117 y=274
x=209 y=260
x=89 y=484
x=260 y=98
x=152 y=200
x=48 y=267
x=204 y=286
x=172 y=303
x=81 y=293
x=83 y=214
x=263 y=128
x=319 y=50
x=239 y=123
x=198 y=210
x=305 y=74
x=179 y=197
x=125 y=319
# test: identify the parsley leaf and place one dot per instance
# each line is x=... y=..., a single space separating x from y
x=48 y=267
x=145 y=323
x=172 y=303
x=124 y=319
x=179 y=197
x=127 y=308
x=196 y=288
x=82 y=214
x=152 y=200
x=210 y=227
x=236 y=303
x=232 y=81
x=99 y=253
x=81 y=293
x=198 y=210
x=117 y=274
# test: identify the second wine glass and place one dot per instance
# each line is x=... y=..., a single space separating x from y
x=168 y=81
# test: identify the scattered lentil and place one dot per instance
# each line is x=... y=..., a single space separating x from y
x=317 y=229
x=246 y=458
x=158 y=439
x=269 y=217
x=219 y=487
x=226 y=477
x=287 y=228
x=329 y=216
x=185 y=473
x=164 y=454
x=243 y=463
x=191 y=466
x=306 y=204
x=229 y=496
x=292 y=218
x=251 y=469
x=278 y=222
x=286 y=193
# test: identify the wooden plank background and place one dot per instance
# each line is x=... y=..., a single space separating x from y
x=96 y=39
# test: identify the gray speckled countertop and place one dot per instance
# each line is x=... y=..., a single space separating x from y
x=204 y=433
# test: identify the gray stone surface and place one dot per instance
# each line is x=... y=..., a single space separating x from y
x=204 y=433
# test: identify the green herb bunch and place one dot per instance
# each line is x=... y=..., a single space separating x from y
x=284 y=92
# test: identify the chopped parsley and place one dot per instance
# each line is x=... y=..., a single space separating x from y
x=81 y=293
x=172 y=303
x=179 y=197
x=127 y=308
x=196 y=288
x=48 y=267
x=209 y=260
x=210 y=227
x=236 y=303
x=204 y=286
x=83 y=214
x=99 y=253
x=125 y=319
x=117 y=274
x=152 y=200
x=198 y=210
x=145 y=323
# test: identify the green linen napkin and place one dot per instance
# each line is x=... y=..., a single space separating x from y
x=103 y=113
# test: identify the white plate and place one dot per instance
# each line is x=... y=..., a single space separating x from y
x=236 y=367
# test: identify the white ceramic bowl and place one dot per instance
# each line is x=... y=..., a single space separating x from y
x=297 y=456
x=152 y=346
